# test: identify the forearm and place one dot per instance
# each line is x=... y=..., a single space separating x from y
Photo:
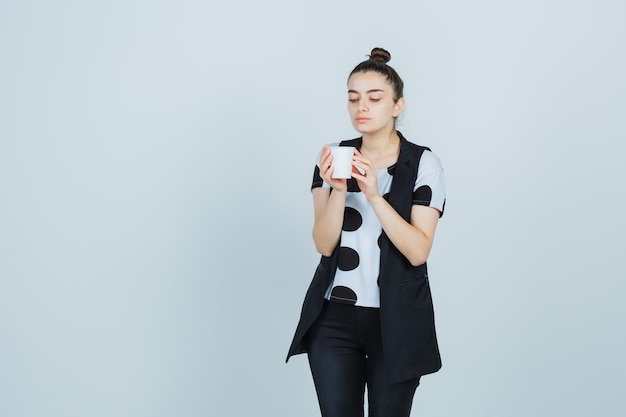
x=329 y=214
x=411 y=240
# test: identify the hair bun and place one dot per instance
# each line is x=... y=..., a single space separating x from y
x=380 y=55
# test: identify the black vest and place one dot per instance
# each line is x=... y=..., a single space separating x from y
x=406 y=309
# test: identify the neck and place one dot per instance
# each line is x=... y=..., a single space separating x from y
x=380 y=142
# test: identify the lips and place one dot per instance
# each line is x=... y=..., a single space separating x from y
x=362 y=119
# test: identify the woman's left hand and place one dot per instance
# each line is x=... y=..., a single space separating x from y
x=368 y=180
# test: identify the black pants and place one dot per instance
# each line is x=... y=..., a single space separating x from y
x=345 y=354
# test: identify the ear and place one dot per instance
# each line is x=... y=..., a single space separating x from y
x=398 y=107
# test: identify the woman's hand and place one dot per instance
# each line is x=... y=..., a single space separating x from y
x=326 y=171
x=366 y=177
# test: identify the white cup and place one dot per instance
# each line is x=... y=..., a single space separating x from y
x=342 y=161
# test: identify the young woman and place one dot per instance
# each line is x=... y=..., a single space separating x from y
x=367 y=318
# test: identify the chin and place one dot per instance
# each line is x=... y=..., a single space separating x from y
x=362 y=129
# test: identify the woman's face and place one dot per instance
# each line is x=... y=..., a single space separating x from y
x=370 y=103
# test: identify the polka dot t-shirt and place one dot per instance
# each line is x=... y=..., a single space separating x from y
x=356 y=279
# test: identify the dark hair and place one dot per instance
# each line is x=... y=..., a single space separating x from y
x=377 y=62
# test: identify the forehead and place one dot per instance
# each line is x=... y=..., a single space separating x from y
x=366 y=81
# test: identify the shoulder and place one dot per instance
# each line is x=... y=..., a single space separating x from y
x=430 y=159
x=423 y=157
x=417 y=154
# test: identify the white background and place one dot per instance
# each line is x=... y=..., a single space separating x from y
x=155 y=214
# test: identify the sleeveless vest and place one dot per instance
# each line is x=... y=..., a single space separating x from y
x=407 y=317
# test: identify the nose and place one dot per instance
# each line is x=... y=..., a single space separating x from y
x=363 y=105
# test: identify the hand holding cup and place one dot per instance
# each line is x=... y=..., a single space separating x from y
x=336 y=165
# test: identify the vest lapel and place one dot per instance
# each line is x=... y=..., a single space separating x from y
x=400 y=198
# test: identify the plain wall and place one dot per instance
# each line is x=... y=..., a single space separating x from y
x=155 y=213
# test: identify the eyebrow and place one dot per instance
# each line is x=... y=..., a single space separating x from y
x=377 y=90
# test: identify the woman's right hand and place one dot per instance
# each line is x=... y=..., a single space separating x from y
x=326 y=171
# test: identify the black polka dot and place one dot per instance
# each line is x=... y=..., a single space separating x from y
x=352 y=219
x=317 y=180
x=353 y=187
x=348 y=259
x=344 y=295
x=392 y=169
x=423 y=195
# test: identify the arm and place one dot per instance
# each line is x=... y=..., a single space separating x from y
x=415 y=239
x=328 y=207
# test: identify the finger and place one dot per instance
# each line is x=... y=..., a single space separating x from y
x=362 y=167
x=326 y=160
x=361 y=159
x=325 y=151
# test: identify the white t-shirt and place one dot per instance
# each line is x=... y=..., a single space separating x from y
x=356 y=279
